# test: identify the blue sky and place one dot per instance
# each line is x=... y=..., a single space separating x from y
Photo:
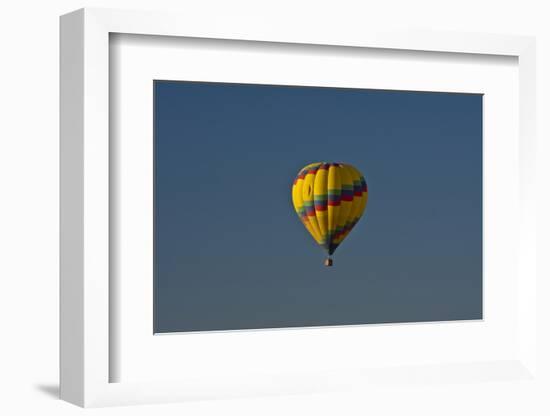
x=230 y=252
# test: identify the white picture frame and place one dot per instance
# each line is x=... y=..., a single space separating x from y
x=85 y=200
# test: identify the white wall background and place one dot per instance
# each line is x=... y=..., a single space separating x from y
x=29 y=203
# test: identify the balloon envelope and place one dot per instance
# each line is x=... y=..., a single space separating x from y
x=329 y=198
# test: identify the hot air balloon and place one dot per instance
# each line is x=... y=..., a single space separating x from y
x=329 y=199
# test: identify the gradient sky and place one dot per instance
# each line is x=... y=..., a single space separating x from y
x=231 y=253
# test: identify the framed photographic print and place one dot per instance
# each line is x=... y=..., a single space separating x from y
x=233 y=167
x=279 y=212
